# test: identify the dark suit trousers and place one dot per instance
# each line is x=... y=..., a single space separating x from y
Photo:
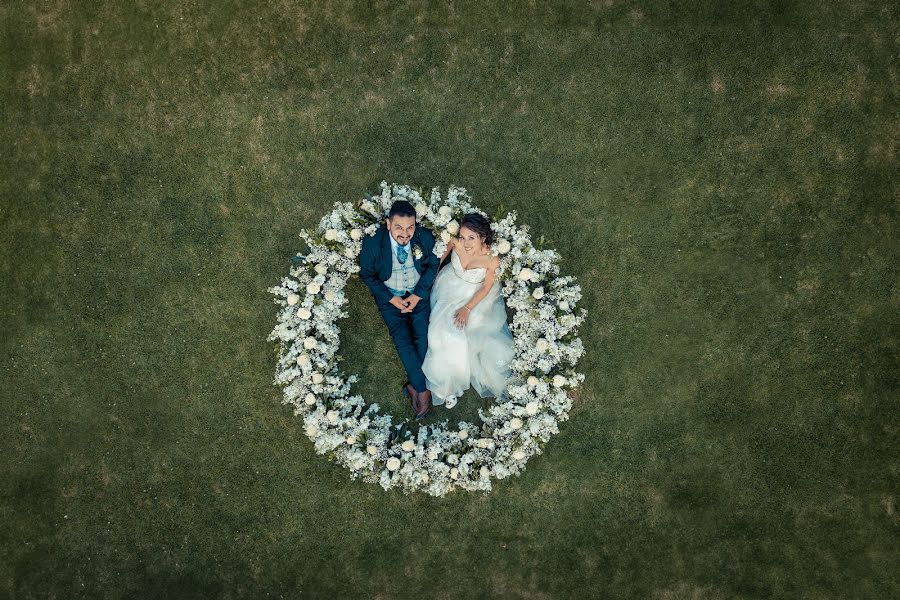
x=410 y=334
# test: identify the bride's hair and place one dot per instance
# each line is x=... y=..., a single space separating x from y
x=480 y=225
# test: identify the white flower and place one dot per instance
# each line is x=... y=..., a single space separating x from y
x=525 y=274
x=356 y=234
x=444 y=211
x=331 y=235
x=310 y=343
x=453 y=227
x=303 y=359
x=304 y=313
x=350 y=440
x=372 y=450
x=408 y=446
x=563 y=305
x=516 y=423
x=313 y=288
x=317 y=378
x=417 y=253
x=504 y=247
x=538 y=293
x=532 y=381
x=433 y=453
x=462 y=434
x=484 y=443
x=421 y=208
x=321 y=268
x=293 y=299
x=393 y=463
x=484 y=472
x=541 y=345
x=312 y=430
x=330 y=296
x=559 y=381
x=332 y=416
x=349 y=253
x=454 y=473
x=445 y=236
x=535 y=277
x=367 y=206
x=532 y=408
x=518 y=454
x=310 y=399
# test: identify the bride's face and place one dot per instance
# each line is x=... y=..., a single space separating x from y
x=471 y=241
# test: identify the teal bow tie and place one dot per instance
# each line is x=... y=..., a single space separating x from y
x=402 y=255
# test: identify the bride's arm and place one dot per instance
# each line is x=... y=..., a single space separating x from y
x=446 y=253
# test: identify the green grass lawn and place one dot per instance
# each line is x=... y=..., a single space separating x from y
x=721 y=177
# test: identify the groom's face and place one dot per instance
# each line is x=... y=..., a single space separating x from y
x=401 y=228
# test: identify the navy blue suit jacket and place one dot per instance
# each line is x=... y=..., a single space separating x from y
x=375 y=263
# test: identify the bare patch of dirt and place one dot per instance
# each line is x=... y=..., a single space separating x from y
x=777 y=89
x=717 y=85
x=224 y=210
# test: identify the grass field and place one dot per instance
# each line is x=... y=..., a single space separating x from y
x=721 y=177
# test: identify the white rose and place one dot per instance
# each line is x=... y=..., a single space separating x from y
x=538 y=293
x=535 y=277
x=532 y=381
x=444 y=211
x=309 y=343
x=332 y=416
x=303 y=360
x=453 y=227
x=559 y=381
x=518 y=455
x=304 y=313
x=331 y=235
x=317 y=378
x=454 y=473
x=330 y=296
x=313 y=287
x=425 y=478
x=532 y=408
x=408 y=446
x=484 y=443
x=516 y=423
x=542 y=345
x=504 y=247
x=564 y=306
x=310 y=399
x=293 y=299
x=372 y=450
x=525 y=274
x=312 y=430
x=484 y=472
x=445 y=236
x=393 y=463
x=321 y=268
x=433 y=453
x=356 y=234
x=421 y=209
x=349 y=253
x=462 y=434
x=350 y=440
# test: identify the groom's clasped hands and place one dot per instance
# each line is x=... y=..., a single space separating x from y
x=405 y=305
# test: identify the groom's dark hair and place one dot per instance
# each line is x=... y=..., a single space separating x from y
x=401 y=208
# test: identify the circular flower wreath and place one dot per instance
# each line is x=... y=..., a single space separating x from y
x=437 y=459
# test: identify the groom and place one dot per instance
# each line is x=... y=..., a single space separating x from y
x=398 y=266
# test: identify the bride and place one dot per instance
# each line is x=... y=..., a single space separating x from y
x=468 y=338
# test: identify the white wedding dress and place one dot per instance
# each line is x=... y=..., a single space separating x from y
x=478 y=354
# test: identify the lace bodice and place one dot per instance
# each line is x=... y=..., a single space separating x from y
x=475 y=275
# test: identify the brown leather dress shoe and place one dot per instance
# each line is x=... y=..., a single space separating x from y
x=413 y=395
x=424 y=404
